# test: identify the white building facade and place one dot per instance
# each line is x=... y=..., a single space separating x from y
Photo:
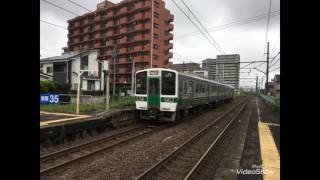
x=65 y=70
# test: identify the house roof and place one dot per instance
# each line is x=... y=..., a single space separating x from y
x=45 y=75
x=65 y=56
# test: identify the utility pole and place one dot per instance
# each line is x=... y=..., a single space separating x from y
x=132 y=78
x=257 y=85
x=114 y=68
x=107 y=89
x=151 y=41
x=267 y=74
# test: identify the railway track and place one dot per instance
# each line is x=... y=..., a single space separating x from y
x=184 y=161
x=60 y=159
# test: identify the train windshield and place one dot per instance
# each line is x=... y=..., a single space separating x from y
x=168 y=83
x=141 y=83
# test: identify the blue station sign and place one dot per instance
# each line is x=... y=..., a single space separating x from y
x=49 y=99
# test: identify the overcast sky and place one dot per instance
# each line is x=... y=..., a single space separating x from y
x=246 y=40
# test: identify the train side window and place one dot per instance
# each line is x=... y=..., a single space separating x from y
x=180 y=87
x=185 y=88
x=190 y=87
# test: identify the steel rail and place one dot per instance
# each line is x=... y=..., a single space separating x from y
x=56 y=154
x=156 y=166
x=200 y=162
x=64 y=164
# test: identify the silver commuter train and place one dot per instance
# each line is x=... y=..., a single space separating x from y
x=166 y=94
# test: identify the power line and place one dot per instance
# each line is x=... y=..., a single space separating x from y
x=53 y=24
x=80 y=5
x=275 y=69
x=232 y=24
x=274 y=57
x=60 y=7
x=194 y=24
x=275 y=62
x=267 y=28
x=203 y=26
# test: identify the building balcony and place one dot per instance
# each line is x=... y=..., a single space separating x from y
x=123 y=51
x=123 y=20
x=123 y=10
x=123 y=30
x=110 y=33
x=110 y=23
x=170 y=46
x=141 y=59
x=147 y=47
x=138 y=48
x=139 y=27
x=139 y=5
x=123 y=40
x=138 y=16
x=170 y=27
x=148 y=4
x=147 y=25
x=170 y=36
x=171 y=17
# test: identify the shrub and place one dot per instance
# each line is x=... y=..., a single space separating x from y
x=47 y=87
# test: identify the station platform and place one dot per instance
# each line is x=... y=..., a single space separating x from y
x=269 y=137
x=49 y=118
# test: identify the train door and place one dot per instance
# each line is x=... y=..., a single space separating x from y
x=154 y=92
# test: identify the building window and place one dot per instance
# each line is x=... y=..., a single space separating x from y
x=130 y=49
x=59 y=68
x=117 y=11
x=116 y=30
x=156 y=15
x=130 y=38
x=130 y=7
x=156 y=4
x=166 y=42
x=91 y=85
x=156 y=36
x=84 y=63
x=49 y=69
x=155 y=57
x=130 y=27
x=116 y=22
x=156 y=25
x=129 y=58
x=155 y=46
x=130 y=17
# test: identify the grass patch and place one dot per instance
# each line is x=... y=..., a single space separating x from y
x=88 y=108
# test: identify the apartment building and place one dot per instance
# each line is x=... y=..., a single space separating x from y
x=129 y=34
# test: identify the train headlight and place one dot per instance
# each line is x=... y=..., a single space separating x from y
x=168 y=99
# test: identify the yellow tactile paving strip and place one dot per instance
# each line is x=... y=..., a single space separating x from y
x=269 y=153
x=73 y=117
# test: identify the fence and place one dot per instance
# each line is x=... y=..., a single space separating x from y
x=271 y=100
x=86 y=99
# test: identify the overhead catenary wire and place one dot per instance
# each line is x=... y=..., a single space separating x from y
x=275 y=69
x=274 y=57
x=79 y=5
x=60 y=7
x=203 y=26
x=196 y=25
x=232 y=24
x=53 y=24
x=275 y=62
x=265 y=42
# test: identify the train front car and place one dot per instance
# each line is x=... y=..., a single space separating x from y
x=156 y=94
